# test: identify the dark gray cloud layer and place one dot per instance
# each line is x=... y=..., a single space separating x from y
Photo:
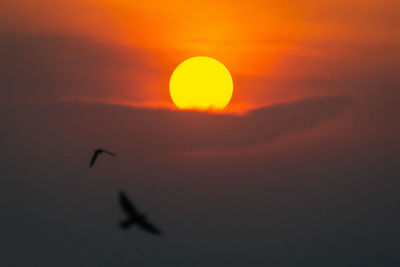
x=141 y=129
x=325 y=193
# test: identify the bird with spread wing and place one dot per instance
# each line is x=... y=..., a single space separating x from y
x=97 y=152
x=134 y=217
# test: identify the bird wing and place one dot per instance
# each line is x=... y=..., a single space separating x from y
x=109 y=153
x=94 y=157
x=127 y=205
x=147 y=226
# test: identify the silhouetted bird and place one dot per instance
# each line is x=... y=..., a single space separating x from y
x=134 y=217
x=98 y=152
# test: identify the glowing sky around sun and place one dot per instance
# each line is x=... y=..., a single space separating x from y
x=275 y=51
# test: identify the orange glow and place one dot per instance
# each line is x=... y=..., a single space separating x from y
x=276 y=50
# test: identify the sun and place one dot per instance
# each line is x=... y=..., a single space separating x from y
x=201 y=83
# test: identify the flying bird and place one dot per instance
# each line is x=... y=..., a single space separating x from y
x=134 y=217
x=97 y=152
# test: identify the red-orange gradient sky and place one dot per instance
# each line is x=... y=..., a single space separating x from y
x=308 y=176
x=276 y=50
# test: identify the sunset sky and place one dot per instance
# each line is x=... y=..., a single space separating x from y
x=300 y=169
x=276 y=51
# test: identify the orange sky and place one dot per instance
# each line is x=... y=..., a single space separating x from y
x=308 y=174
x=276 y=50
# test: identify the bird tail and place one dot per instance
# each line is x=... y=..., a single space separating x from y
x=126 y=224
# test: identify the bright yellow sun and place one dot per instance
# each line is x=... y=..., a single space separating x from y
x=201 y=83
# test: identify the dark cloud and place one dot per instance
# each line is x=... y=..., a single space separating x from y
x=37 y=68
x=141 y=129
x=324 y=193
